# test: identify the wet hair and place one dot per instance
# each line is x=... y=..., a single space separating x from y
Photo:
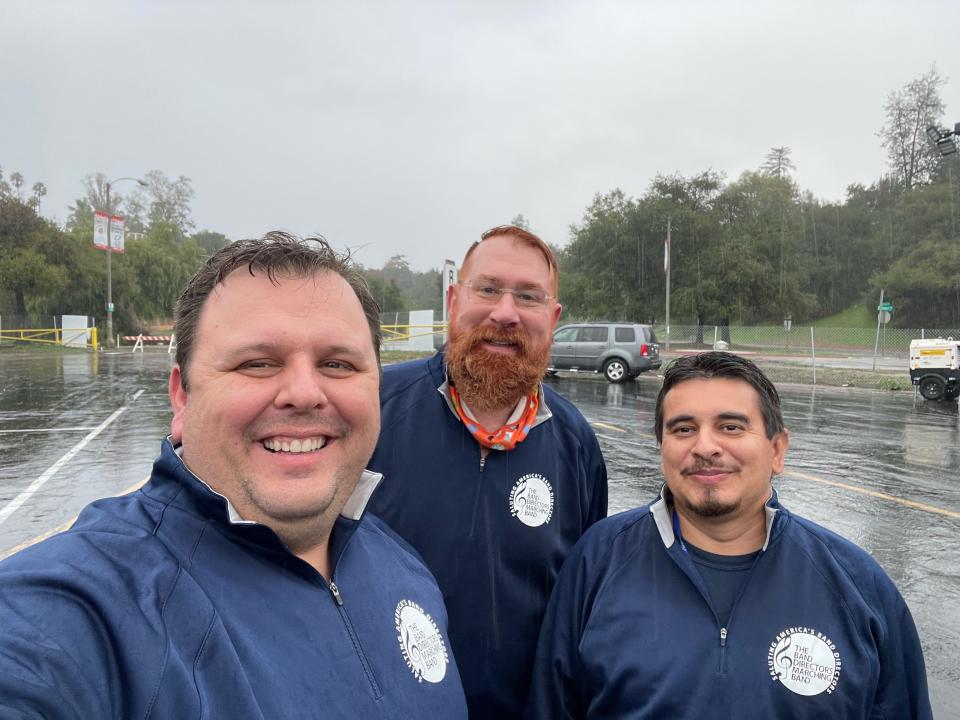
x=721 y=365
x=278 y=255
x=524 y=237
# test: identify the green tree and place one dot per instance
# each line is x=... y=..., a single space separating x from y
x=386 y=293
x=520 y=221
x=909 y=112
x=210 y=241
x=26 y=273
x=924 y=284
x=778 y=162
x=16 y=180
x=39 y=192
x=169 y=201
x=4 y=186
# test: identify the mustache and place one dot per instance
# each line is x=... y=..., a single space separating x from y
x=702 y=465
x=513 y=336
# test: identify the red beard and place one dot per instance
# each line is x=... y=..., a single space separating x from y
x=490 y=380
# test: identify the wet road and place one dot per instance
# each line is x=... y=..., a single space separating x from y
x=879 y=468
x=50 y=403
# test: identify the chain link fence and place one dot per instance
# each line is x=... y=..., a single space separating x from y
x=801 y=340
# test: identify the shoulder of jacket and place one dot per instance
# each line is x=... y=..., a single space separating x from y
x=616 y=535
x=389 y=542
x=819 y=544
x=400 y=377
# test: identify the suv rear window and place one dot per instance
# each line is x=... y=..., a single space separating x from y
x=625 y=335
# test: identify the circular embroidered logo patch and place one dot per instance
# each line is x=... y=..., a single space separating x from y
x=531 y=500
x=805 y=661
x=420 y=642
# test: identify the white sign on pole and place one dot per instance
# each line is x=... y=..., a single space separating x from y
x=449 y=278
x=116 y=234
x=100 y=230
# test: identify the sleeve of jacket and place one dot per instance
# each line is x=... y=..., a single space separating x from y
x=557 y=691
x=42 y=678
x=902 y=689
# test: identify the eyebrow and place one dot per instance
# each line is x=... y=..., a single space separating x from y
x=269 y=348
x=678 y=419
x=523 y=286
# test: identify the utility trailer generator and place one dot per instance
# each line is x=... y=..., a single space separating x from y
x=935 y=368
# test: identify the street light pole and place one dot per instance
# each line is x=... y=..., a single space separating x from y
x=110 y=259
x=109 y=274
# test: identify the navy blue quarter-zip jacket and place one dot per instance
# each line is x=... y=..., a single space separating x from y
x=157 y=605
x=818 y=631
x=493 y=531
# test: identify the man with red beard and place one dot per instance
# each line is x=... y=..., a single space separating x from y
x=491 y=476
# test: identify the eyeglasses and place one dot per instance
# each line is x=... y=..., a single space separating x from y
x=486 y=292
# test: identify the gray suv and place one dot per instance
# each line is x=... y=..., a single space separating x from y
x=621 y=351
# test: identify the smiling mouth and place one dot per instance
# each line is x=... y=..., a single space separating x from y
x=297 y=445
x=708 y=472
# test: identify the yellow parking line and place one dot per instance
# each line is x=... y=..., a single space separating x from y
x=60 y=528
x=875 y=493
x=608 y=427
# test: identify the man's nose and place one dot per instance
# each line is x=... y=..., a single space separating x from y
x=301 y=386
x=504 y=311
x=708 y=444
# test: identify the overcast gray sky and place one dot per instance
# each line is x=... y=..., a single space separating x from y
x=410 y=127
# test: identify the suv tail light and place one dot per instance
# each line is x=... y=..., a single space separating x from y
x=644 y=350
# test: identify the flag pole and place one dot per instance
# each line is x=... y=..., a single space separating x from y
x=666 y=269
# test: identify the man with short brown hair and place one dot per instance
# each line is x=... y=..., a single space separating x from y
x=491 y=476
x=245 y=579
x=715 y=601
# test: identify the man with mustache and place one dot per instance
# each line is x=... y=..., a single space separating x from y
x=491 y=476
x=715 y=601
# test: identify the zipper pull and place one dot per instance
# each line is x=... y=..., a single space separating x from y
x=723 y=637
x=335 y=591
x=483 y=461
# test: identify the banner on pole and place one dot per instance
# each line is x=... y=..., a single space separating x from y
x=116 y=234
x=666 y=252
x=100 y=230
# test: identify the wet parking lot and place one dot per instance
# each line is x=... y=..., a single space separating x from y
x=880 y=468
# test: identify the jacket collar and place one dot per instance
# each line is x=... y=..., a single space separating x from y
x=662 y=511
x=170 y=465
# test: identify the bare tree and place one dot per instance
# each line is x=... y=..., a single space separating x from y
x=910 y=111
x=778 y=162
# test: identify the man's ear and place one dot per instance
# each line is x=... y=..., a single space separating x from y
x=178 y=401
x=556 y=314
x=451 y=300
x=780 y=442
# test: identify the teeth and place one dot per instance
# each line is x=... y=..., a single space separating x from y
x=295 y=446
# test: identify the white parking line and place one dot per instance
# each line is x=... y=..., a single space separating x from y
x=20 y=499
x=60 y=528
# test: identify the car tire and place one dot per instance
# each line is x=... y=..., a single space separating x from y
x=616 y=370
x=933 y=387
